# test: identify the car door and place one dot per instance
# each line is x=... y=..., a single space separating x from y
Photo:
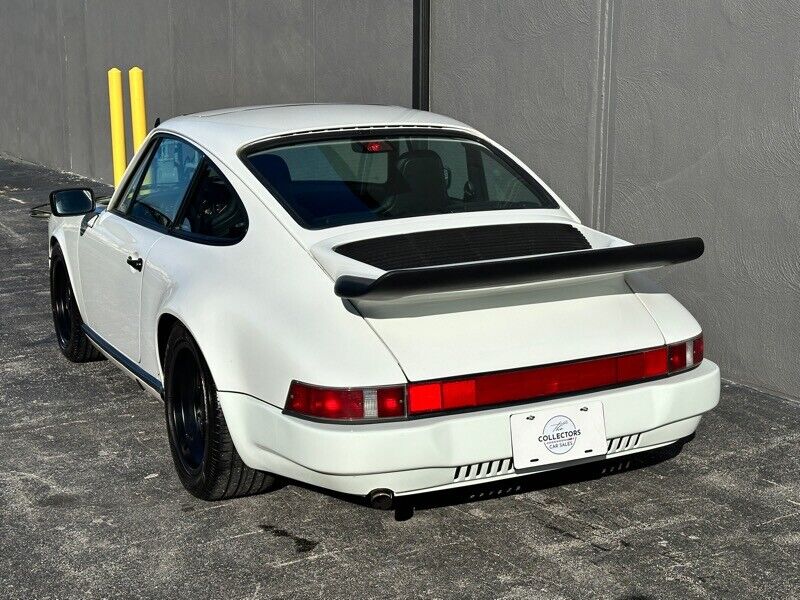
x=113 y=250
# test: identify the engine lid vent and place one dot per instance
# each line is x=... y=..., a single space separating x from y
x=464 y=244
x=484 y=470
x=621 y=444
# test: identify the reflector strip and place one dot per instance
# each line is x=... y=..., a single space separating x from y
x=552 y=380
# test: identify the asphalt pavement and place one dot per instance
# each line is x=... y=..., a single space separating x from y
x=90 y=506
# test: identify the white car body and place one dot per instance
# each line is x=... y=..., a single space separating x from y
x=287 y=324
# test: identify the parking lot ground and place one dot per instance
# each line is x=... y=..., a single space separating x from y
x=90 y=507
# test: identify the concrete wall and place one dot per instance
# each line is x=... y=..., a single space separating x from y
x=707 y=142
x=653 y=120
x=196 y=55
x=524 y=77
x=656 y=120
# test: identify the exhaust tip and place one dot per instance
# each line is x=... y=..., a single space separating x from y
x=382 y=499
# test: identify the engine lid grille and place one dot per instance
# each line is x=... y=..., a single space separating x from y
x=464 y=244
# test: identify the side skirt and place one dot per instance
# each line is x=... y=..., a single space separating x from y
x=123 y=361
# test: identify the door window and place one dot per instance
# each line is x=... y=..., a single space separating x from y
x=213 y=209
x=133 y=182
x=157 y=195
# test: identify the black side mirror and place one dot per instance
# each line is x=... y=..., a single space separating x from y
x=71 y=201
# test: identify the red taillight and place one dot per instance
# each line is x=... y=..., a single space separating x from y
x=493 y=388
x=686 y=354
x=346 y=403
x=697 y=349
x=391 y=402
x=677 y=357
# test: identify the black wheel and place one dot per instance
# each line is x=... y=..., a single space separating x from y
x=207 y=462
x=66 y=317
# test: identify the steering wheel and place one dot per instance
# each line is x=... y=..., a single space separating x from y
x=156 y=214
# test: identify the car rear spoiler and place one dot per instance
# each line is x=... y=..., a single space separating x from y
x=399 y=283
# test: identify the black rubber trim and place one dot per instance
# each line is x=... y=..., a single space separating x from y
x=126 y=362
x=532 y=269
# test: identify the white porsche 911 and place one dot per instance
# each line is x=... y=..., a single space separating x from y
x=375 y=300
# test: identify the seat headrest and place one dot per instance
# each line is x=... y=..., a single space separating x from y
x=274 y=169
x=423 y=171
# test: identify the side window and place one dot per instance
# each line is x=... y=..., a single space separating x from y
x=213 y=209
x=158 y=193
x=133 y=183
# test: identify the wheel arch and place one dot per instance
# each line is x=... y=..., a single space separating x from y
x=57 y=240
x=166 y=321
x=165 y=324
x=63 y=232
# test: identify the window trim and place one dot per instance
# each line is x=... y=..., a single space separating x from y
x=174 y=230
x=247 y=150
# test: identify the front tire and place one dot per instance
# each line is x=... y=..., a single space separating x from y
x=67 y=321
x=202 y=449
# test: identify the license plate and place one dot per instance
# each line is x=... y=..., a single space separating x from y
x=546 y=436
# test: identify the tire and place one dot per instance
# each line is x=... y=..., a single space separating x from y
x=206 y=460
x=67 y=321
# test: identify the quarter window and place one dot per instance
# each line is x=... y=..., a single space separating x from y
x=213 y=209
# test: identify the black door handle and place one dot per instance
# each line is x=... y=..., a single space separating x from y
x=136 y=264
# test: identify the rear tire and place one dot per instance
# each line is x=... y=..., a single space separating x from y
x=202 y=449
x=72 y=341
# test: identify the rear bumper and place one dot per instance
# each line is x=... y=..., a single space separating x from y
x=452 y=450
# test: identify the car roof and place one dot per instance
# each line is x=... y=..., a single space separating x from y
x=227 y=130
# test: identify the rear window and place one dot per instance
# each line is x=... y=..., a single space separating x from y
x=349 y=180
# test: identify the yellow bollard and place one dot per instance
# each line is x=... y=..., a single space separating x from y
x=118 y=157
x=138 y=114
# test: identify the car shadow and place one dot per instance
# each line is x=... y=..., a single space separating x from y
x=404 y=507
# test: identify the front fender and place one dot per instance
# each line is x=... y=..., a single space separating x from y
x=66 y=231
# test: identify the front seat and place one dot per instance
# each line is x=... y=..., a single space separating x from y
x=275 y=170
x=426 y=191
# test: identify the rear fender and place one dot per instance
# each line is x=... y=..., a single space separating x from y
x=263 y=313
x=673 y=319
